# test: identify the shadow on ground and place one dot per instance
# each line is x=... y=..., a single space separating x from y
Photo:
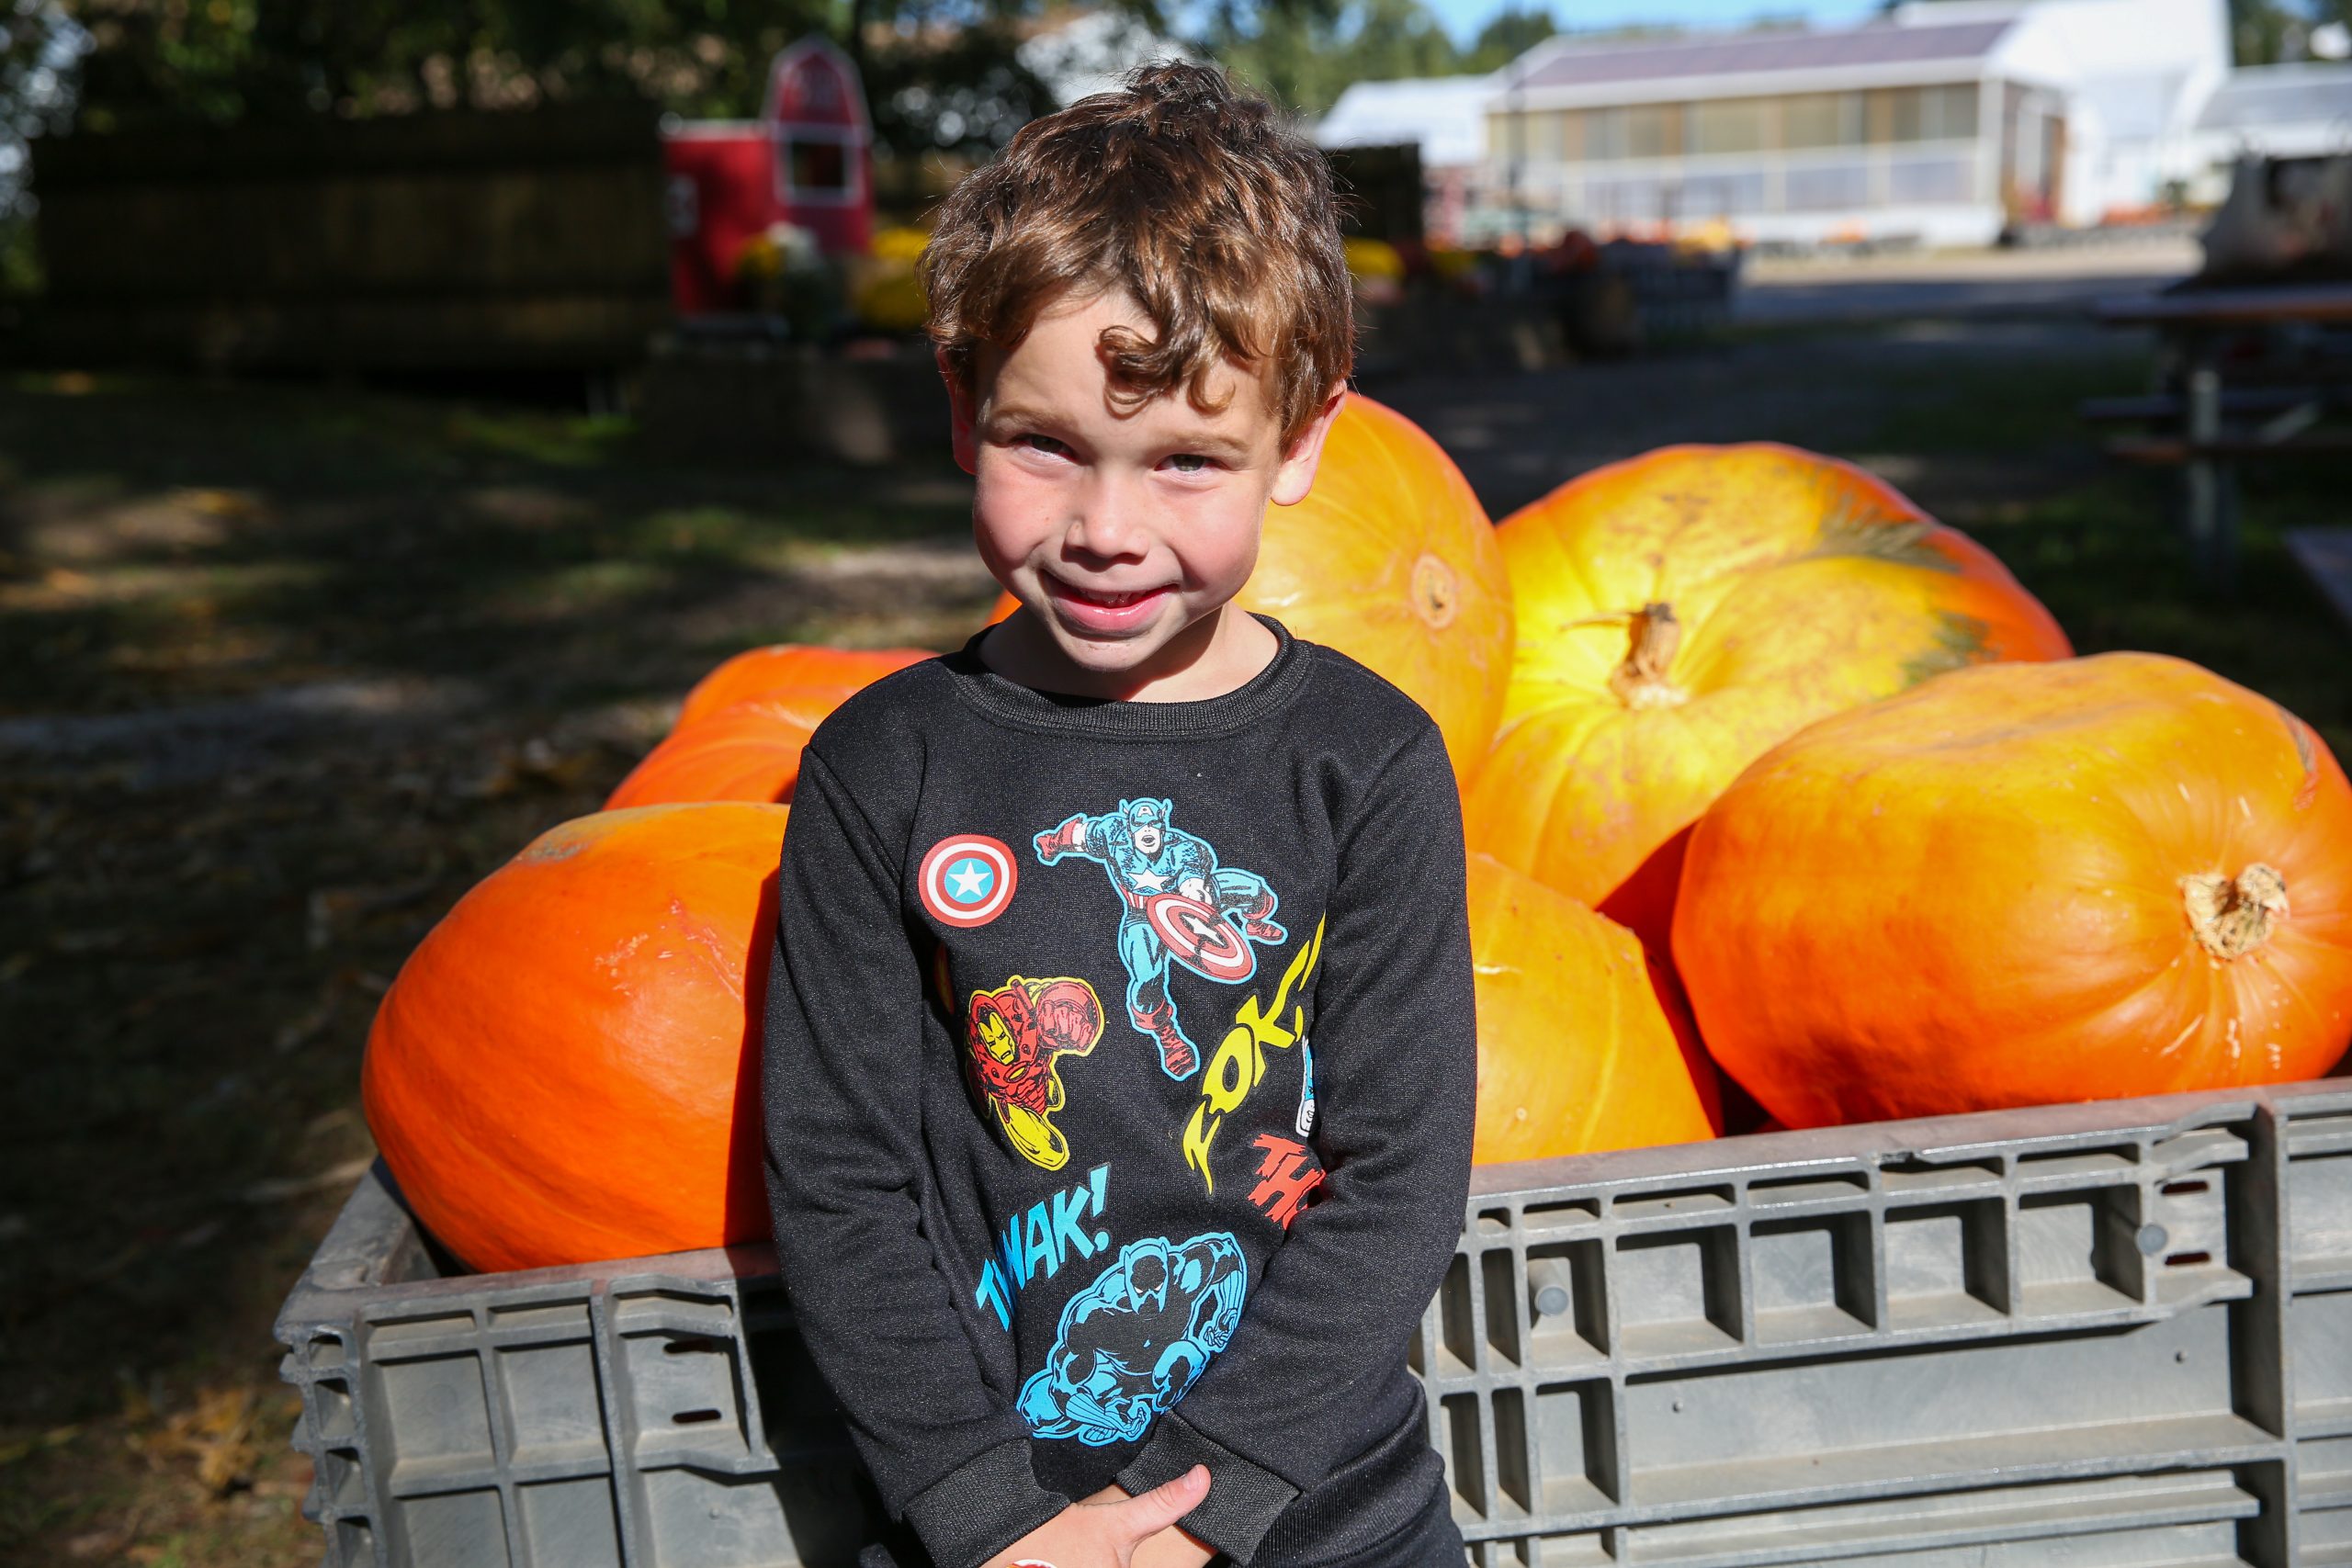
x=282 y=672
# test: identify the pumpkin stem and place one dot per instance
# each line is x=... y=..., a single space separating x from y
x=2233 y=917
x=1640 y=682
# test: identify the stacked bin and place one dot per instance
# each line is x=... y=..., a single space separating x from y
x=2083 y=1335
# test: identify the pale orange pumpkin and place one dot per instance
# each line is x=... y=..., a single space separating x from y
x=567 y=1067
x=1583 y=1041
x=1391 y=560
x=739 y=733
x=749 y=751
x=801 y=669
x=1681 y=613
x=2025 y=883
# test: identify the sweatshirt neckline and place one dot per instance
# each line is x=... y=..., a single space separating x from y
x=1060 y=713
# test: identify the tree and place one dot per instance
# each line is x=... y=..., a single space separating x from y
x=963 y=91
x=165 y=62
x=1305 y=56
x=2264 y=32
x=1509 y=34
x=38 y=45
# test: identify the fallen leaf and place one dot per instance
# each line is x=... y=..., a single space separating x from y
x=139 y=1402
x=328 y=1121
x=78 y=942
x=330 y=909
x=39 y=1442
x=97 y=1543
x=274 y=1188
x=222 y=1432
x=223 y=504
x=196 y=1235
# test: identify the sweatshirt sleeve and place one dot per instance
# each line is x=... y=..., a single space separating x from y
x=1396 y=1086
x=842 y=1043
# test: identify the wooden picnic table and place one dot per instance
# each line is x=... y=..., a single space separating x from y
x=2205 y=308
x=2326 y=556
x=2219 y=424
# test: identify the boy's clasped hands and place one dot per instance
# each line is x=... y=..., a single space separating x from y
x=1111 y=1530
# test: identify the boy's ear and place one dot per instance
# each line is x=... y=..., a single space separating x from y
x=1296 y=476
x=961 y=417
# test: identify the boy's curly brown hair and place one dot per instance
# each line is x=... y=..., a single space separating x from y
x=1192 y=197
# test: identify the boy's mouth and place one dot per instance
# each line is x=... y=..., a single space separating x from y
x=1104 y=598
x=1104 y=612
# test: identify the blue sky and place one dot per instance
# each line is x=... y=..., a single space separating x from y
x=1464 y=17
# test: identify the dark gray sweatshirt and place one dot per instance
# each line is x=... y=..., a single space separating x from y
x=1119 y=1077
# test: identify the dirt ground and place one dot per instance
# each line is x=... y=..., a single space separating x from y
x=284 y=669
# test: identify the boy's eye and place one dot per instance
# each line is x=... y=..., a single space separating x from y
x=1189 y=463
x=1045 y=443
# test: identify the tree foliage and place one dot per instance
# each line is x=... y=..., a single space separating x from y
x=964 y=91
x=2267 y=32
x=178 y=61
x=1507 y=36
x=1307 y=54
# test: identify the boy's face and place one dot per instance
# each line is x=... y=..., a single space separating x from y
x=1124 y=531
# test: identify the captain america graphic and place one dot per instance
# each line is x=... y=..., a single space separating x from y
x=1176 y=902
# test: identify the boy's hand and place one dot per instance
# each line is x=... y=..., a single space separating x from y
x=1171 y=1548
x=1109 y=1528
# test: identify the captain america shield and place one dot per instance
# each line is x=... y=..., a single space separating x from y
x=966 y=879
x=1200 y=939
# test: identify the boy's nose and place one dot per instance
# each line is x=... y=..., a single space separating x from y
x=1104 y=520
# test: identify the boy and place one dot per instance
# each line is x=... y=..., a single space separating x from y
x=1049 y=1146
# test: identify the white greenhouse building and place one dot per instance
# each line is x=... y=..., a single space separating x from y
x=1942 y=122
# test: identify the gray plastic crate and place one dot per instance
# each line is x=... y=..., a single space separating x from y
x=2073 y=1336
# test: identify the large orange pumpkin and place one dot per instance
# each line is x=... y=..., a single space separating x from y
x=1583 y=1042
x=1681 y=613
x=799 y=670
x=2023 y=883
x=739 y=733
x=567 y=1067
x=1391 y=560
x=749 y=751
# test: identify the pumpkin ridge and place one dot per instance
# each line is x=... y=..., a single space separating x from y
x=2285 y=976
x=1598 y=1101
x=1399 y=481
x=1556 y=803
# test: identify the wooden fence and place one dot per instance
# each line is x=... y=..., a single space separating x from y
x=445 y=240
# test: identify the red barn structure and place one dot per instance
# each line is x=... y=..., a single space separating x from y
x=807 y=160
x=824 y=160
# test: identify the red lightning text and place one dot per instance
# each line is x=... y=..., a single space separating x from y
x=1284 y=1177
